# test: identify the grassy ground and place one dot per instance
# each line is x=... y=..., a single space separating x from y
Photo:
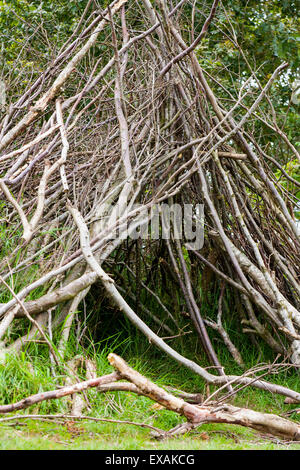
x=31 y=373
x=50 y=436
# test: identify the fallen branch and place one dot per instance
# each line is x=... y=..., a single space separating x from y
x=195 y=414
x=59 y=393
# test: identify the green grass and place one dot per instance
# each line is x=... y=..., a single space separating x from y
x=91 y=436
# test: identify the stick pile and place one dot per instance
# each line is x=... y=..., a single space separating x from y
x=101 y=139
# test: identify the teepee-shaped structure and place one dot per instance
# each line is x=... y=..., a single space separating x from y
x=122 y=121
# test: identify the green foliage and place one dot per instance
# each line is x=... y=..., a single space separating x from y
x=32 y=32
x=266 y=31
x=246 y=37
x=292 y=168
